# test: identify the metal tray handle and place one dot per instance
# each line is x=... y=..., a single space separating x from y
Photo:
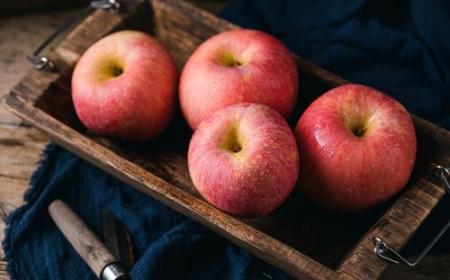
x=385 y=252
x=42 y=62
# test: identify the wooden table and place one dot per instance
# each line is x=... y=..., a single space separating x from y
x=21 y=145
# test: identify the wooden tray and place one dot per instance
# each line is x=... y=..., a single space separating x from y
x=299 y=238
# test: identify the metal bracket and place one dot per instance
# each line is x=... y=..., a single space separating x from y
x=385 y=252
x=113 y=5
x=44 y=63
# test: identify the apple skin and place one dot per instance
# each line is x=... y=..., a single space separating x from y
x=345 y=172
x=124 y=86
x=244 y=159
x=238 y=66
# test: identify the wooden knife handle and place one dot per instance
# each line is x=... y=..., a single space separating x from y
x=83 y=240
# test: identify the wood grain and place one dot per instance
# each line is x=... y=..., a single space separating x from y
x=294 y=242
x=8 y=8
x=3 y=273
x=20 y=144
x=24 y=34
x=20 y=148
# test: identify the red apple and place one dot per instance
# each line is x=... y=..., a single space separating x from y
x=244 y=159
x=238 y=66
x=358 y=148
x=124 y=86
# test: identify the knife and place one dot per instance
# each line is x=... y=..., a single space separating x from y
x=104 y=264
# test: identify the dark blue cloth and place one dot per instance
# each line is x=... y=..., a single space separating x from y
x=398 y=46
x=401 y=47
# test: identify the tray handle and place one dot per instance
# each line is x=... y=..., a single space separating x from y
x=42 y=62
x=387 y=253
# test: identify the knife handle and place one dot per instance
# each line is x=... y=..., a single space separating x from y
x=85 y=242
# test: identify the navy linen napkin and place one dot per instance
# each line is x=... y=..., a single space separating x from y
x=401 y=47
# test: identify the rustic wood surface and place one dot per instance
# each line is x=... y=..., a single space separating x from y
x=21 y=144
x=18 y=7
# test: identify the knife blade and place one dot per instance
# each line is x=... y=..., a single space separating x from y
x=117 y=239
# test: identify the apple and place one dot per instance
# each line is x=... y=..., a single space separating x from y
x=358 y=148
x=124 y=86
x=244 y=159
x=238 y=66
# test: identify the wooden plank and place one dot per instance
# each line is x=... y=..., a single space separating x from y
x=13 y=58
x=3 y=273
x=433 y=267
x=8 y=8
x=20 y=148
x=6 y=207
x=12 y=190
